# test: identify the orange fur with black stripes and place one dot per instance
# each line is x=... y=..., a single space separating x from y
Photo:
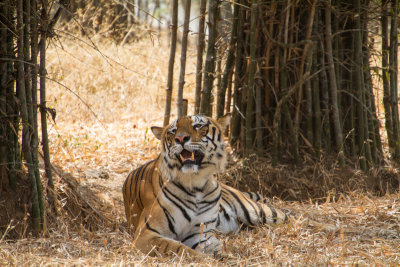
x=175 y=202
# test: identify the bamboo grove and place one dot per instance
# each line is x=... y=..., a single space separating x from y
x=298 y=77
x=25 y=27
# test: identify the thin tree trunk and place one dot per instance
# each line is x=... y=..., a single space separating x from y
x=146 y=7
x=352 y=109
x=309 y=101
x=324 y=89
x=208 y=79
x=171 y=62
x=139 y=9
x=34 y=87
x=375 y=122
x=304 y=61
x=131 y=7
x=316 y=109
x=333 y=87
x=267 y=53
x=359 y=61
x=386 y=74
x=251 y=84
x=359 y=81
x=157 y=7
x=200 y=49
x=218 y=74
x=183 y=57
x=43 y=108
x=393 y=62
x=239 y=72
x=277 y=117
x=184 y=107
x=25 y=121
x=229 y=63
x=3 y=96
x=29 y=103
x=27 y=66
x=283 y=78
x=12 y=130
x=373 y=133
x=229 y=94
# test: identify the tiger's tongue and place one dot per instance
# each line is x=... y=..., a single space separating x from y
x=186 y=154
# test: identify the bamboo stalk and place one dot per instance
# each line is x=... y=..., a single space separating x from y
x=267 y=53
x=286 y=114
x=139 y=9
x=393 y=63
x=237 y=87
x=373 y=133
x=24 y=114
x=200 y=49
x=218 y=74
x=27 y=67
x=317 y=109
x=229 y=63
x=251 y=84
x=259 y=124
x=229 y=94
x=352 y=106
x=43 y=108
x=324 y=89
x=309 y=101
x=359 y=79
x=168 y=99
x=3 y=95
x=386 y=74
x=28 y=93
x=361 y=69
x=277 y=118
x=333 y=86
x=183 y=58
x=303 y=62
x=34 y=83
x=208 y=79
x=146 y=8
x=12 y=130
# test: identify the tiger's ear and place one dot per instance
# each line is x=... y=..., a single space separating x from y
x=157 y=131
x=224 y=121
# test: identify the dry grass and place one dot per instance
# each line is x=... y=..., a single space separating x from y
x=124 y=87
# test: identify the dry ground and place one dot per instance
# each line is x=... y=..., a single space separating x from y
x=124 y=90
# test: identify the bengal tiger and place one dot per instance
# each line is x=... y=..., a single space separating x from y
x=175 y=202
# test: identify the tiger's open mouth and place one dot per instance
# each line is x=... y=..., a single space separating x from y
x=188 y=157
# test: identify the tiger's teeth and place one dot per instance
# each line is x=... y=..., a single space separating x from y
x=182 y=158
x=192 y=157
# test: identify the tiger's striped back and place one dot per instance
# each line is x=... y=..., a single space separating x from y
x=132 y=195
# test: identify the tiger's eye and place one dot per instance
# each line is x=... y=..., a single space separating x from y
x=197 y=126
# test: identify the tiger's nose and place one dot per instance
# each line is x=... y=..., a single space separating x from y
x=182 y=139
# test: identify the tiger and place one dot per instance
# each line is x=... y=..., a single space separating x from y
x=175 y=203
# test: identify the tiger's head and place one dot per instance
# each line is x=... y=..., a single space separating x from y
x=193 y=145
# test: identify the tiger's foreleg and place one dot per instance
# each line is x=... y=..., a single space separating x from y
x=149 y=239
x=153 y=244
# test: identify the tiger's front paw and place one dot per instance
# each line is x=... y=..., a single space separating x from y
x=172 y=247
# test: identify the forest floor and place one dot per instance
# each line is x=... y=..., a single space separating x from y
x=100 y=135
